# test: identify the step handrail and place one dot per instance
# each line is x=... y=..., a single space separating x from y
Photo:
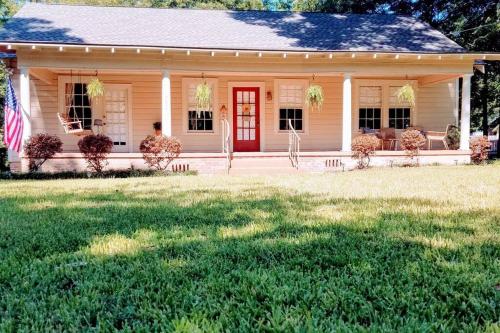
x=293 y=145
x=226 y=137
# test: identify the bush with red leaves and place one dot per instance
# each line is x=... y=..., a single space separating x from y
x=95 y=150
x=39 y=148
x=159 y=151
x=479 y=149
x=411 y=142
x=363 y=147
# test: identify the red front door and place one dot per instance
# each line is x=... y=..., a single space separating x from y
x=246 y=111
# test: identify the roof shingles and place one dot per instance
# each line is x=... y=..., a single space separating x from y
x=212 y=29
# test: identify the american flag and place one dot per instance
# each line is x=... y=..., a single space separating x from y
x=13 y=120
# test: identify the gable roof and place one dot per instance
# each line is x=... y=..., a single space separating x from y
x=217 y=29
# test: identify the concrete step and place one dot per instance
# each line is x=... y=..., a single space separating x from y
x=249 y=162
x=262 y=172
x=261 y=166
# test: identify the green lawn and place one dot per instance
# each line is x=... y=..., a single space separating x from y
x=405 y=250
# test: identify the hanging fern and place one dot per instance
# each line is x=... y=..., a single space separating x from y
x=406 y=95
x=314 y=96
x=95 y=88
x=203 y=97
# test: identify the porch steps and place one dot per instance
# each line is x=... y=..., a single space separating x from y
x=251 y=165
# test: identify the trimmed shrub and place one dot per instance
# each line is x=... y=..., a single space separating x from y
x=159 y=151
x=363 y=147
x=95 y=150
x=479 y=149
x=39 y=148
x=411 y=142
x=453 y=138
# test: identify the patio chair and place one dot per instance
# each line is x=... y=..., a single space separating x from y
x=437 y=136
x=388 y=135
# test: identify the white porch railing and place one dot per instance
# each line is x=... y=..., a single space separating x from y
x=293 y=145
x=226 y=135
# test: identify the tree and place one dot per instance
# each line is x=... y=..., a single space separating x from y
x=475 y=25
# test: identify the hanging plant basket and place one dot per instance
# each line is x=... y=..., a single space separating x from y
x=406 y=95
x=95 y=88
x=203 y=97
x=314 y=97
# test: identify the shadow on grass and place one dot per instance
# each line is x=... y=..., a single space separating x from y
x=263 y=259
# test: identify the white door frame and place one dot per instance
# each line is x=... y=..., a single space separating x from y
x=128 y=86
x=262 y=107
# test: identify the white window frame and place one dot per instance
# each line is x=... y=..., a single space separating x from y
x=62 y=80
x=185 y=105
x=385 y=85
x=371 y=105
x=305 y=110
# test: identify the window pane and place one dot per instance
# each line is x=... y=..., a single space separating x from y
x=406 y=122
x=392 y=113
x=407 y=113
x=283 y=125
x=369 y=113
x=298 y=125
x=399 y=123
x=392 y=123
x=362 y=113
x=376 y=113
x=209 y=125
x=376 y=124
x=283 y=113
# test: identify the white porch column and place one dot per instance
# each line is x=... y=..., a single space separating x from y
x=166 y=104
x=25 y=101
x=465 y=117
x=346 y=113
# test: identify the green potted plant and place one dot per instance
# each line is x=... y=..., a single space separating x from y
x=203 y=97
x=95 y=88
x=406 y=95
x=157 y=128
x=314 y=97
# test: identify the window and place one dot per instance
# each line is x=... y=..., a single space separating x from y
x=291 y=105
x=369 y=118
x=399 y=118
x=378 y=105
x=295 y=115
x=201 y=121
x=77 y=104
x=370 y=107
x=399 y=113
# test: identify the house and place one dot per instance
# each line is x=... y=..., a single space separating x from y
x=258 y=64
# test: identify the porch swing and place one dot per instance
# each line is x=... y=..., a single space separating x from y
x=71 y=124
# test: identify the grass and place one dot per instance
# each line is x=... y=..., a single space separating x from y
x=404 y=250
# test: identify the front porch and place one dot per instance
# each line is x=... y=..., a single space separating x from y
x=250 y=114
